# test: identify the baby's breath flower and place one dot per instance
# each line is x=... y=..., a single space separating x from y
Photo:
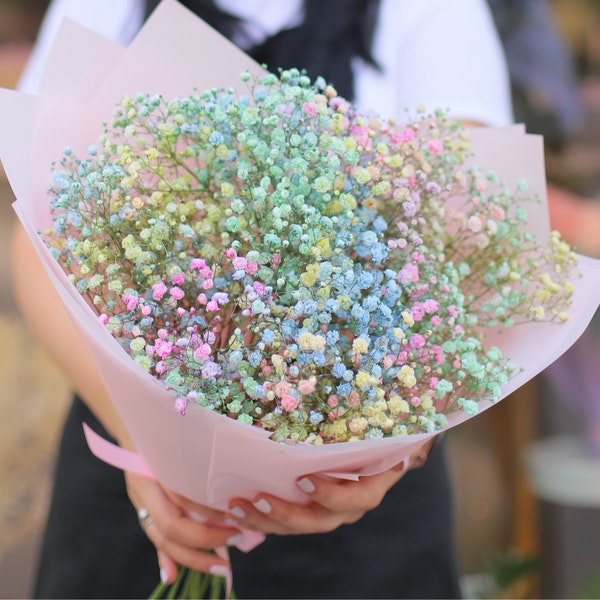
x=292 y=264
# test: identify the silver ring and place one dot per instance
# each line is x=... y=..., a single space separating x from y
x=144 y=518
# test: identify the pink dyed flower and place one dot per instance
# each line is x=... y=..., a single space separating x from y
x=408 y=274
x=212 y=306
x=197 y=264
x=163 y=334
x=251 y=267
x=178 y=278
x=202 y=352
x=438 y=354
x=239 y=263
x=417 y=341
x=131 y=301
x=282 y=388
x=275 y=258
x=436 y=146
x=103 y=319
x=230 y=253
x=180 y=405
x=207 y=284
x=163 y=348
x=160 y=367
x=407 y=135
x=431 y=306
x=158 y=291
x=177 y=293
x=453 y=311
x=289 y=403
x=332 y=401
x=307 y=386
x=309 y=109
x=418 y=311
x=353 y=399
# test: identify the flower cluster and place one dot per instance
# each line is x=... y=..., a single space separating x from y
x=278 y=257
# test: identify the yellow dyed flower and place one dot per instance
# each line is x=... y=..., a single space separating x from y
x=360 y=345
x=398 y=405
x=408 y=318
x=398 y=333
x=538 y=312
x=358 y=425
x=406 y=375
x=364 y=379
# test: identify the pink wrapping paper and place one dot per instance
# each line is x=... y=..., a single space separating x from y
x=202 y=455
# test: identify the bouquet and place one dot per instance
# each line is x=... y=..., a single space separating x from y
x=273 y=255
x=266 y=265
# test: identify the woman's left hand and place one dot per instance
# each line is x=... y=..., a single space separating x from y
x=331 y=502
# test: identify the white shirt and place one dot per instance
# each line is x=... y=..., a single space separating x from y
x=437 y=53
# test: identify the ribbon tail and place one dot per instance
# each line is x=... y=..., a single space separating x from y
x=114 y=455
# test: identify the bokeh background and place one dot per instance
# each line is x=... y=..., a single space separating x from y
x=517 y=538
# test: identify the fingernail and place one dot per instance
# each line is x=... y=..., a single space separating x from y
x=236 y=539
x=238 y=512
x=164 y=575
x=263 y=506
x=306 y=485
x=219 y=570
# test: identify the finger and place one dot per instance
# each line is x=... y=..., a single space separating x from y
x=168 y=568
x=172 y=552
x=270 y=514
x=171 y=524
x=343 y=496
x=198 y=512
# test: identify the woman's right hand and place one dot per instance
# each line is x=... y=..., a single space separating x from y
x=180 y=535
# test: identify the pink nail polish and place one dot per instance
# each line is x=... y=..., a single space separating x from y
x=163 y=575
x=306 y=485
x=263 y=506
x=196 y=517
x=219 y=570
x=238 y=512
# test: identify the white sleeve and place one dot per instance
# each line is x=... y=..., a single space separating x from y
x=118 y=20
x=440 y=54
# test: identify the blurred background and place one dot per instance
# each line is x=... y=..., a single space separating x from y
x=527 y=472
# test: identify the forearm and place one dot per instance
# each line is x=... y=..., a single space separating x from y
x=50 y=323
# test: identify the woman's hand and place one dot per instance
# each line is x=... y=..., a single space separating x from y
x=331 y=502
x=175 y=526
